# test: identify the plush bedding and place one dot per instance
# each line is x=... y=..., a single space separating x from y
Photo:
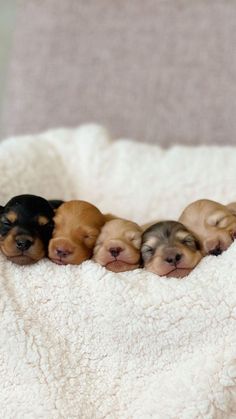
x=83 y=342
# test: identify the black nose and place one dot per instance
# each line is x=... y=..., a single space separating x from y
x=216 y=252
x=115 y=251
x=174 y=259
x=23 y=244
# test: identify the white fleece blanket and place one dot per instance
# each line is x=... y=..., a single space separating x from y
x=82 y=342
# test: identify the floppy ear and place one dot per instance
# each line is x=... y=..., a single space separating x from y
x=232 y=207
x=1 y=209
x=55 y=203
x=109 y=217
x=88 y=235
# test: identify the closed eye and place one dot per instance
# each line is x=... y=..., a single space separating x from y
x=90 y=236
x=217 y=219
x=191 y=242
x=134 y=237
x=222 y=222
x=188 y=241
x=147 y=249
x=6 y=222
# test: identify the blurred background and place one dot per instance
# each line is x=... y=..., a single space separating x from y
x=160 y=71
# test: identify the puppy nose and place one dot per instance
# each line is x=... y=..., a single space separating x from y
x=62 y=252
x=214 y=247
x=23 y=244
x=175 y=259
x=216 y=251
x=233 y=235
x=115 y=251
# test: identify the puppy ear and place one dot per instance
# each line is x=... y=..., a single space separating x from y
x=88 y=235
x=109 y=217
x=134 y=237
x=232 y=207
x=55 y=203
x=1 y=209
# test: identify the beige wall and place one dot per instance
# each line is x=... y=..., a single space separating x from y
x=7 y=21
x=160 y=70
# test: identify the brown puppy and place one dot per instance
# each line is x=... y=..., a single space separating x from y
x=170 y=249
x=77 y=226
x=213 y=223
x=118 y=246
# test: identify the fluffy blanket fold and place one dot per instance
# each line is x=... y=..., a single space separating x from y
x=83 y=342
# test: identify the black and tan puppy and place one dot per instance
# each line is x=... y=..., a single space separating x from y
x=170 y=249
x=26 y=225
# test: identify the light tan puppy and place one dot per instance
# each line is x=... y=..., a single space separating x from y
x=77 y=226
x=170 y=249
x=118 y=246
x=213 y=223
x=232 y=207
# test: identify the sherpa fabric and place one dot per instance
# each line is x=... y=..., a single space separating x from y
x=83 y=342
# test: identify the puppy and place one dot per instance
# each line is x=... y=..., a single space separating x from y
x=77 y=226
x=170 y=249
x=55 y=203
x=118 y=246
x=232 y=207
x=26 y=225
x=213 y=223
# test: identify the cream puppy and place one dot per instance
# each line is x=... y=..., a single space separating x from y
x=213 y=223
x=118 y=246
x=232 y=207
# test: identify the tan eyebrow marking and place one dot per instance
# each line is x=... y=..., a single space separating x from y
x=42 y=220
x=151 y=241
x=11 y=216
x=182 y=234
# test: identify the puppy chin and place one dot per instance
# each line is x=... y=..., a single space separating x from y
x=169 y=272
x=179 y=273
x=72 y=259
x=120 y=266
x=60 y=261
x=126 y=261
x=22 y=260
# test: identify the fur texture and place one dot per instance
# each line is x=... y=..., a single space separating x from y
x=83 y=342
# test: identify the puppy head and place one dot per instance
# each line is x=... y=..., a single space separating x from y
x=26 y=224
x=170 y=249
x=77 y=226
x=213 y=223
x=118 y=246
